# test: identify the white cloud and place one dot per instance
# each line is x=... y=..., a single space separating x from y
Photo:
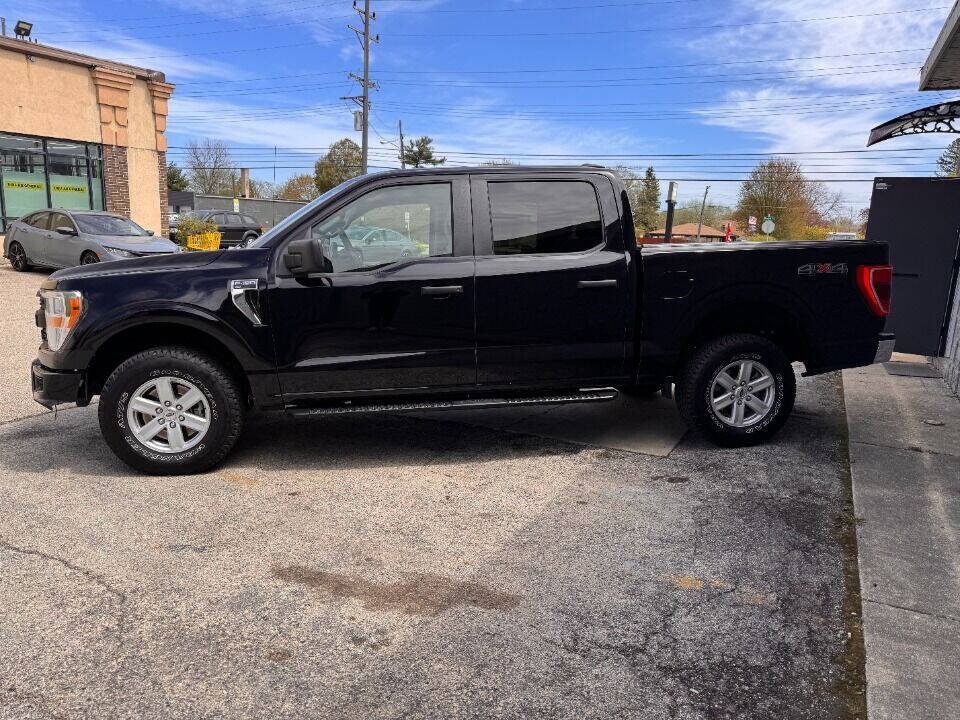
x=839 y=106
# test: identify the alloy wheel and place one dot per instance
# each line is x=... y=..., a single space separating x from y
x=18 y=258
x=168 y=415
x=743 y=393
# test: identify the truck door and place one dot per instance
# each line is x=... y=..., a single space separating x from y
x=552 y=290
x=373 y=325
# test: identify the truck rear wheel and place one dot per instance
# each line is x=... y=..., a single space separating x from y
x=171 y=410
x=737 y=390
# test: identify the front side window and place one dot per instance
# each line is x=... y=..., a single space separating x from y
x=108 y=225
x=544 y=217
x=233 y=220
x=388 y=225
x=58 y=220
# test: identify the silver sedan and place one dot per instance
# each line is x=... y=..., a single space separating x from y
x=64 y=238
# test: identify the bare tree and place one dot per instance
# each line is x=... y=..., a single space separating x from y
x=778 y=187
x=210 y=168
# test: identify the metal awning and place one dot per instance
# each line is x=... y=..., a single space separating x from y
x=941 y=71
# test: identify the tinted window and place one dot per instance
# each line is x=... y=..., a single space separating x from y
x=247 y=220
x=217 y=219
x=544 y=217
x=233 y=220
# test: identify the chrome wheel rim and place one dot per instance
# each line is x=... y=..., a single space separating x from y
x=168 y=415
x=18 y=258
x=743 y=393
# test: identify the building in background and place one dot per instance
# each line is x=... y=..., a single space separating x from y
x=81 y=132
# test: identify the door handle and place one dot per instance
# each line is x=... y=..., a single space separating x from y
x=584 y=284
x=442 y=290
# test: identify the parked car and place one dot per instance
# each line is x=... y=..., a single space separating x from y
x=379 y=245
x=530 y=289
x=64 y=238
x=234 y=228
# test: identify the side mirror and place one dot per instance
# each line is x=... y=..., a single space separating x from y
x=66 y=230
x=303 y=257
x=150 y=232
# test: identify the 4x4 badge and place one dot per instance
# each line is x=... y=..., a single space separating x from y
x=813 y=269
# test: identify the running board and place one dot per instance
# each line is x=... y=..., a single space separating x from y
x=583 y=396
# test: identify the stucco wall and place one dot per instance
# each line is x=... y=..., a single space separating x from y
x=48 y=98
x=142 y=159
x=950 y=365
x=144 y=188
x=57 y=99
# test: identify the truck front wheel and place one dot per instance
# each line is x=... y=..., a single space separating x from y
x=737 y=390
x=171 y=410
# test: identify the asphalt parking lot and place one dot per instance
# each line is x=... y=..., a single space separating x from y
x=383 y=567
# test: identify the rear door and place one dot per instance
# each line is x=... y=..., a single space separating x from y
x=552 y=290
x=36 y=233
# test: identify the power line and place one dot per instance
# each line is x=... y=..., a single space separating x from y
x=662 y=29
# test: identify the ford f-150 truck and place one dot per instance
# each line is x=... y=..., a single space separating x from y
x=452 y=288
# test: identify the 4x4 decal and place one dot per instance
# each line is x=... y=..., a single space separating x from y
x=813 y=269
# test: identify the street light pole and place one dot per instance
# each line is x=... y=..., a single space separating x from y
x=702 y=208
x=671 y=206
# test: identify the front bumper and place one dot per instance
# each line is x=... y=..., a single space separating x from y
x=885 y=348
x=55 y=387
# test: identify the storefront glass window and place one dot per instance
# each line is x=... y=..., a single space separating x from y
x=36 y=173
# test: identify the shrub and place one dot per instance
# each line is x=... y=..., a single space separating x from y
x=192 y=226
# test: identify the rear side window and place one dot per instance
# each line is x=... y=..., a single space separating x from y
x=544 y=217
x=233 y=220
x=247 y=220
x=39 y=220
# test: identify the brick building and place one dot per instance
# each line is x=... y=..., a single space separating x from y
x=81 y=132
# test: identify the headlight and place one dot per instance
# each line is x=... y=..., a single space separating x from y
x=118 y=252
x=61 y=310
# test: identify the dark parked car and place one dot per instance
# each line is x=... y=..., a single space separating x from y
x=529 y=288
x=64 y=238
x=234 y=228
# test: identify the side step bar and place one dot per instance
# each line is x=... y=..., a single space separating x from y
x=581 y=396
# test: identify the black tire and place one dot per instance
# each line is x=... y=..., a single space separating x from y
x=18 y=257
x=89 y=258
x=221 y=391
x=695 y=386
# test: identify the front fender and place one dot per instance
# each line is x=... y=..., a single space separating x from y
x=250 y=346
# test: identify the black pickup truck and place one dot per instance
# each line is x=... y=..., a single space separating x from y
x=452 y=288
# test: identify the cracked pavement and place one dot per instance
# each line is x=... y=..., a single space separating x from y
x=383 y=567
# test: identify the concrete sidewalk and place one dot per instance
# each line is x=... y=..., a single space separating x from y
x=905 y=463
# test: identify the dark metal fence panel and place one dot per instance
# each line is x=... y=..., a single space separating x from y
x=269 y=212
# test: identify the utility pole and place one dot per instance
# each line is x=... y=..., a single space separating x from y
x=671 y=206
x=403 y=162
x=702 y=208
x=365 y=82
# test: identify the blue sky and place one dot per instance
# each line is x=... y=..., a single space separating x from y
x=563 y=81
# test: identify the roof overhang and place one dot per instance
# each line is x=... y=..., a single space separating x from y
x=941 y=71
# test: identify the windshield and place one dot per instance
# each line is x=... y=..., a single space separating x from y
x=108 y=225
x=305 y=210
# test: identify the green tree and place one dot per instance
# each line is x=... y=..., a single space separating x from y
x=949 y=163
x=343 y=161
x=646 y=215
x=176 y=180
x=419 y=153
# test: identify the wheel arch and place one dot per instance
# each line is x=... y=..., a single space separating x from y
x=761 y=310
x=159 y=332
